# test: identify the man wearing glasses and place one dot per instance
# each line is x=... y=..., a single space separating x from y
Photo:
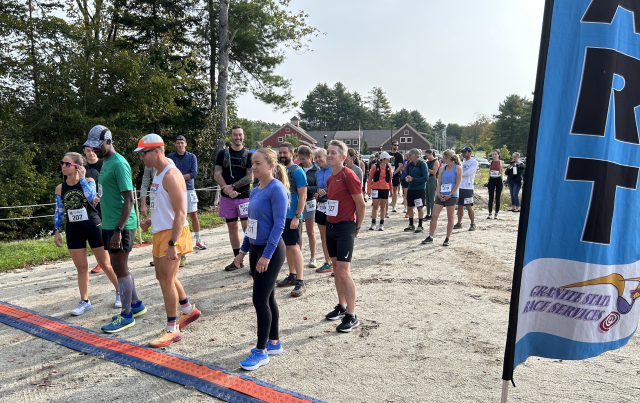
x=397 y=163
x=119 y=223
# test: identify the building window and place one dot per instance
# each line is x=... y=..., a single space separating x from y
x=347 y=142
x=280 y=139
x=403 y=139
x=409 y=140
x=287 y=129
x=355 y=142
x=406 y=132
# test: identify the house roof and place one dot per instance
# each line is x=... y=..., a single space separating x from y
x=406 y=126
x=309 y=140
x=375 y=138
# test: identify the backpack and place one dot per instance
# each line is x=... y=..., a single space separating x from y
x=293 y=187
x=235 y=162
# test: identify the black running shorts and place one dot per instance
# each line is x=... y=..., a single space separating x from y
x=340 y=239
x=77 y=238
x=416 y=197
x=321 y=218
x=382 y=194
x=395 y=180
x=291 y=236
x=126 y=243
x=465 y=197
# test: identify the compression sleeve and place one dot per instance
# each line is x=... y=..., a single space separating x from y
x=59 y=215
x=279 y=203
x=89 y=189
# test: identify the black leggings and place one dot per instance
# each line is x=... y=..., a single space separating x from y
x=264 y=299
x=495 y=184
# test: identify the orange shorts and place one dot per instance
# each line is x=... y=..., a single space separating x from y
x=161 y=242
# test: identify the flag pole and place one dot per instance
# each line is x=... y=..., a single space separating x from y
x=509 y=352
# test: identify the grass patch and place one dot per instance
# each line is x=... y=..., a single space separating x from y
x=482 y=177
x=14 y=255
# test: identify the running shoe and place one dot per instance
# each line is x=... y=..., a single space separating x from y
x=372 y=227
x=313 y=263
x=337 y=313
x=488 y=218
x=151 y=263
x=200 y=246
x=472 y=227
x=325 y=268
x=419 y=230
x=427 y=240
x=381 y=227
x=119 y=324
x=96 y=269
x=394 y=210
x=405 y=210
x=457 y=226
x=390 y=204
x=185 y=318
x=287 y=281
x=118 y=303
x=183 y=261
x=232 y=266
x=386 y=215
x=427 y=218
x=406 y=215
x=135 y=311
x=274 y=349
x=446 y=242
x=410 y=227
x=257 y=359
x=299 y=289
x=165 y=338
x=349 y=322
x=82 y=308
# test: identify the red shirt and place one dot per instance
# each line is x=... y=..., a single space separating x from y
x=340 y=187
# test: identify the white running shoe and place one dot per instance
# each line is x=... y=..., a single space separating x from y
x=118 y=303
x=82 y=308
x=405 y=210
x=373 y=227
x=312 y=262
x=380 y=227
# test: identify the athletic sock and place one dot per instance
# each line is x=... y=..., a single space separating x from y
x=197 y=234
x=343 y=306
x=373 y=221
x=125 y=286
x=419 y=222
x=136 y=304
x=410 y=221
x=236 y=252
x=186 y=306
x=134 y=294
x=126 y=315
x=86 y=300
x=381 y=221
x=171 y=323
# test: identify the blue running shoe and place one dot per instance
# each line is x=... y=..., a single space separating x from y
x=274 y=349
x=255 y=360
x=119 y=323
x=136 y=311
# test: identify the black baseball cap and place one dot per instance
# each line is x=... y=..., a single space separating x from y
x=467 y=149
x=181 y=137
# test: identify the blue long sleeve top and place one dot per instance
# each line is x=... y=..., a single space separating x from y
x=321 y=180
x=419 y=175
x=187 y=164
x=269 y=207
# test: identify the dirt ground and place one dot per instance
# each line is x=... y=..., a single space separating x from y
x=434 y=322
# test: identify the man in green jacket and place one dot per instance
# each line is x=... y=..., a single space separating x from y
x=417 y=176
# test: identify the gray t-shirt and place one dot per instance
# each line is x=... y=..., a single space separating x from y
x=356 y=169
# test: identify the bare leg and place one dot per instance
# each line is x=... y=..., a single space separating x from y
x=310 y=225
x=451 y=211
x=437 y=208
x=194 y=221
x=345 y=286
x=79 y=257
x=102 y=256
x=234 y=237
x=323 y=238
x=166 y=271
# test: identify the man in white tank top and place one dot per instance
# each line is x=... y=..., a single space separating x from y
x=171 y=236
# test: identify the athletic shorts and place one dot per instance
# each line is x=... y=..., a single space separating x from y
x=161 y=242
x=126 y=243
x=404 y=183
x=321 y=218
x=291 y=236
x=307 y=214
x=382 y=194
x=192 y=201
x=230 y=208
x=395 y=181
x=416 y=197
x=451 y=202
x=340 y=239
x=77 y=238
x=465 y=197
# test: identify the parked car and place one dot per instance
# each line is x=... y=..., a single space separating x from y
x=483 y=162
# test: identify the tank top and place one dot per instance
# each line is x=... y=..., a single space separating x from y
x=449 y=178
x=79 y=211
x=162 y=213
x=495 y=166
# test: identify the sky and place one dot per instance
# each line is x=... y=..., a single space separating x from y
x=447 y=59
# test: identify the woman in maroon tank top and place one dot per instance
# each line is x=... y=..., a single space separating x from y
x=495 y=182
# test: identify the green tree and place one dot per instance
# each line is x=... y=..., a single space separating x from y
x=419 y=122
x=379 y=110
x=454 y=132
x=458 y=147
x=512 y=123
x=478 y=132
x=504 y=153
x=365 y=147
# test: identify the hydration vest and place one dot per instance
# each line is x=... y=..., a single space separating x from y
x=229 y=162
x=376 y=176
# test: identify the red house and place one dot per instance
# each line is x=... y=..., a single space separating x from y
x=289 y=129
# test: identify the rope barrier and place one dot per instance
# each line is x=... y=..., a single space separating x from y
x=31 y=205
x=25 y=218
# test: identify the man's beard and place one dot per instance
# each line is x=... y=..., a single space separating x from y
x=285 y=161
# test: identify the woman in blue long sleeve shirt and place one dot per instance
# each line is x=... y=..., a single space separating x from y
x=267 y=214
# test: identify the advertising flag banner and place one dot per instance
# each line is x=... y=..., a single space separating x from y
x=577 y=269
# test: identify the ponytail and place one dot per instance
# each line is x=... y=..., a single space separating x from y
x=280 y=173
x=450 y=154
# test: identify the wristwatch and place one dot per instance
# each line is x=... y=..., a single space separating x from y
x=118 y=229
x=171 y=243
x=298 y=215
x=233 y=185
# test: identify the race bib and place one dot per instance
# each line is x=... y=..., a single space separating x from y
x=252 y=228
x=78 y=215
x=193 y=197
x=322 y=207
x=494 y=174
x=152 y=201
x=468 y=200
x=244 y=208
x=515 y=170
x=418 y=202
x=332 y=208
x=445 y=187
x=311 y=205
x=99 y=190
x=374 y=193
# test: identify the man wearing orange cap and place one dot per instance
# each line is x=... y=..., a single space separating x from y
x=171 y=237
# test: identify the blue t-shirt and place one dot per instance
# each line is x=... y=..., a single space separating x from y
x=301 y=180
x=187 y=164
x=268 y=206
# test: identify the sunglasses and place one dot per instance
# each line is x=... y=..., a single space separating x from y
x=68 y=164
x=143 y=153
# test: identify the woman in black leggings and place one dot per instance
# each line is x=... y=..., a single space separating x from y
x=267 y=213
x=495 y=182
